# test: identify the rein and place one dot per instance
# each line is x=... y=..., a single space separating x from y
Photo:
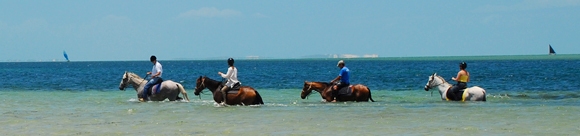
x=202 y=85
x=309 y=87
x=130 y=77
x=431 y=86
x=143 y=79
x=437 y=84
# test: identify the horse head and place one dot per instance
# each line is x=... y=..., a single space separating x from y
x=434 y=81
x=204 y=82
x=130 y=78
x=306 y=90
x=199 y=85
x=317 y=86
x=124 y=81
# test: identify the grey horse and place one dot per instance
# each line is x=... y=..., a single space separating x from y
x=475 y=93
x=169 y=89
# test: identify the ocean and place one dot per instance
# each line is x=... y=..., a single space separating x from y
x=526 y=95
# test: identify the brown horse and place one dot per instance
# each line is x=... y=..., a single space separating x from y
x=245 y=96
x=360 y=93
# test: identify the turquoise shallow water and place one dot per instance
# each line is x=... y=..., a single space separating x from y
x=525 y=97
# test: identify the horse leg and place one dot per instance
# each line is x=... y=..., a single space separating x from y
x=246 y=96
x=217 y=96
x=183 y=92
x=328 y=96
x=171 y=98
x=356 y=95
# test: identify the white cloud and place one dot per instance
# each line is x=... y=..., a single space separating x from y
x=210 y=12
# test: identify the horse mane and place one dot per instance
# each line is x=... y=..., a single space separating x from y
x=325 y=83
x=133 y=75
x=211 y=80
x=442 y=79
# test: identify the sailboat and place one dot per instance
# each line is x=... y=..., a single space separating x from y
x=552 y=52
x=65 y=56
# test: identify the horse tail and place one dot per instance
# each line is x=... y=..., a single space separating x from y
x=183 y=92
x=370 y=97
x=258 y=99
x=484 y=96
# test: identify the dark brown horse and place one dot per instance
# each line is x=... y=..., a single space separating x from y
x=245 y=96
x=360 y=93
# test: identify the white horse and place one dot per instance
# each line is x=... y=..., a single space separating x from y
x=169 y=89
x=475 y=93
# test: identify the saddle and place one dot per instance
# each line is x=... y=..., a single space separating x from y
x=235 y=89
x=345 y=91
x=156 y=87
x=459 y=96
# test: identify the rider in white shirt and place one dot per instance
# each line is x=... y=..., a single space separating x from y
x=231 y=76
x=155 y=73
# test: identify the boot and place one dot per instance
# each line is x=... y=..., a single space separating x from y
x=334 y=94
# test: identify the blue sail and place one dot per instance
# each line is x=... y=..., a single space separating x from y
x=65 y=55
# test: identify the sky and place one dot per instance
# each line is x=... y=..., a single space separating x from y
x=113 y=30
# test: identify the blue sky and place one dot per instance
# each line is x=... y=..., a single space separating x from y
x=105 y=30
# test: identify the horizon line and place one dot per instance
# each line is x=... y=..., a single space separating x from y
x=299 y=58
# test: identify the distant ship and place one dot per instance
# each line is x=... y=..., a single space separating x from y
x=552 y=52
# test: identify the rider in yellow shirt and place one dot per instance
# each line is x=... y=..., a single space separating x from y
x=462 y=78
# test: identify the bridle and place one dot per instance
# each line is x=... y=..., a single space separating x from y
x=129 y=78
x=309 y=88
x=201 y=86
x=433 y=79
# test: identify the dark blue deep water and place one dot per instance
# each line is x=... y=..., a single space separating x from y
x=497 y=76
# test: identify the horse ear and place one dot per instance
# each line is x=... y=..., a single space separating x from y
x=305 y=81
x=435 y=73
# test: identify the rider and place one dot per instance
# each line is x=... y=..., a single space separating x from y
x=462 y=79
x=155 y=77
x=343 y=76
x=231 y=76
